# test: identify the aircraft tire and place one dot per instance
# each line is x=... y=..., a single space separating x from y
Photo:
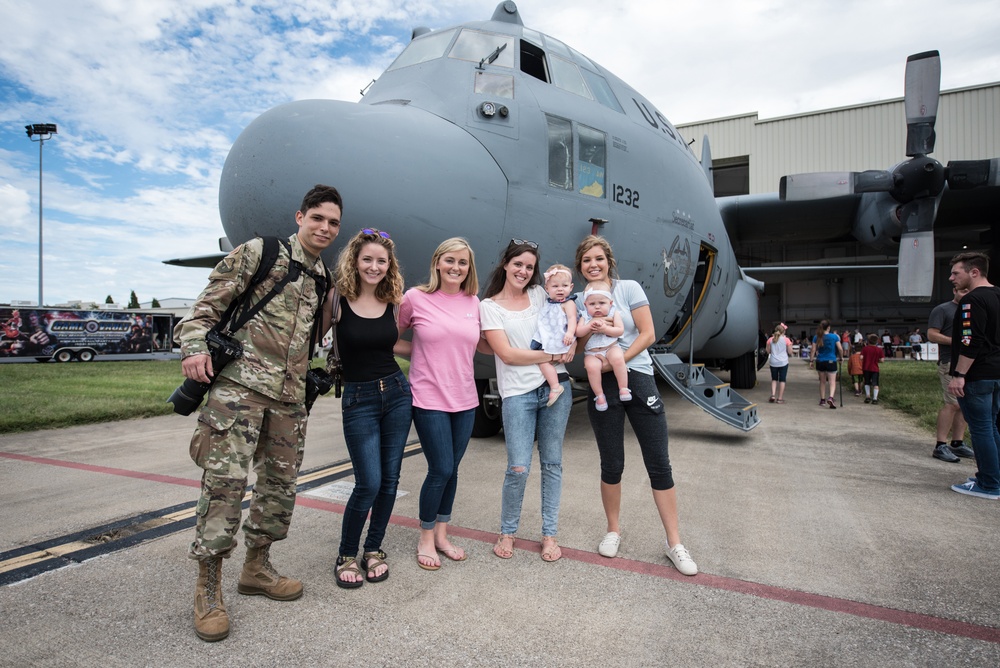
x=743 y=371
x=488 y=420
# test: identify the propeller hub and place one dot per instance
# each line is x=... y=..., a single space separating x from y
x=922 y=176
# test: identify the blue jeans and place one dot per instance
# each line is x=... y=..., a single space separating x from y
x=444 y=437
x=525 y=416
x=376 y=424
x=979 y=406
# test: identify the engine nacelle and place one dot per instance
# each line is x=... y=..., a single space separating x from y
x=877 y=221
x=738 y=331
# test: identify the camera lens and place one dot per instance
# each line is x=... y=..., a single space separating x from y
x=187 y=397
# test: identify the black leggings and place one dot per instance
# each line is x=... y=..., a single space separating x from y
x=649 y=422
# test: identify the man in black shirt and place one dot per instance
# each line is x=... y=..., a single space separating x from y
x=975 y=369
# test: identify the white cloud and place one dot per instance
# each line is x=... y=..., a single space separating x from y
x=149 y=97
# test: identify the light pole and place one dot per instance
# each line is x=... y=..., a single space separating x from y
x=43 y=131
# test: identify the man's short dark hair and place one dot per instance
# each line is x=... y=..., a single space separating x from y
x=973 y=260
x=320 y=194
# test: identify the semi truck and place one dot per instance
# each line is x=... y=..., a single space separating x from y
x=68 y=335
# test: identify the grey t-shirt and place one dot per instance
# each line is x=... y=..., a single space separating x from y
x=941 y=318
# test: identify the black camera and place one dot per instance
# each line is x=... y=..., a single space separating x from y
x=318 y=382
x=190 y=394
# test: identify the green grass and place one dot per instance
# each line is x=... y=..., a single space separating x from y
x=47 y=396
x=911 y=387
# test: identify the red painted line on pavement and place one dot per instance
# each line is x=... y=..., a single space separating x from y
x=125 y=473
x=818 y=601
x=829 y=603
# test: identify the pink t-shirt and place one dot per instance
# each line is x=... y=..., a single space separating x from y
x=445 y=333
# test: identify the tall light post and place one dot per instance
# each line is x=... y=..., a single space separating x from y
x=43 y=131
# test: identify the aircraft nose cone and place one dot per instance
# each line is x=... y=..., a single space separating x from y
x=397 y=168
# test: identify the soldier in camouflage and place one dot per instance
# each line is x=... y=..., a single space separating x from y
x=255 y=412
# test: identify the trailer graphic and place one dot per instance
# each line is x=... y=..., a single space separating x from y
x=69 y=334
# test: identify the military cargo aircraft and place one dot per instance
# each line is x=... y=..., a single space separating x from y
x=493 y=131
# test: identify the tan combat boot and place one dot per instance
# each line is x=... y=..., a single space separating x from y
x=211 y=621
x=260 y=577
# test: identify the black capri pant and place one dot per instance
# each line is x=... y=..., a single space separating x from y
x=649 y=422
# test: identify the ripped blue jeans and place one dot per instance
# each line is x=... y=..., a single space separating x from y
x=525 y=416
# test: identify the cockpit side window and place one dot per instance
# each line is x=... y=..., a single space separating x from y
x=475 y=46
x=428 y=47
x=592 y=162
x=560 y=153
x=533 y=61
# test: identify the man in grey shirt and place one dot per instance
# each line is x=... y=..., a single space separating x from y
x=950 y=417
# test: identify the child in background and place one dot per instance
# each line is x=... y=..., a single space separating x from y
x=855 y=369
x=556 y=324
x=603 y=342
x=871 y=355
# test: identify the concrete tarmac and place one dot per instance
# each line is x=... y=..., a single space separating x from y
x=823 y=538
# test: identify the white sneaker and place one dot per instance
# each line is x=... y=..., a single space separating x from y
x=682 y=559
x=609 y=546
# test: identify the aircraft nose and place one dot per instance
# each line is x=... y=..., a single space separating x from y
x=397 y=167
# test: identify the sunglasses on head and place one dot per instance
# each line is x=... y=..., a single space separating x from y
x=371 y=232
x=522 y=242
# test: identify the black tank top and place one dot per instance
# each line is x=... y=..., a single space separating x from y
x=365 y=344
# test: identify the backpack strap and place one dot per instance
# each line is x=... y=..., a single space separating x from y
x=239 y=312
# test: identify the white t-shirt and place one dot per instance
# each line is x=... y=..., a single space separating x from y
x=519 y=326
x=779 y=351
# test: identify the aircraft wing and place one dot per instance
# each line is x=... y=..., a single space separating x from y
x=789 y=274
x=199 y=261
x=766 y=217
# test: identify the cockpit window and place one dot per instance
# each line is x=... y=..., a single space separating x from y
x=557 y=47
x=560 y=153
x=602 y=91
x=495 y=85
x=478 y=47
x=428 y=47
x=566 y=75
x=592 y=162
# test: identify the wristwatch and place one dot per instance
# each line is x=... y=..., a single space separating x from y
x=957 y=374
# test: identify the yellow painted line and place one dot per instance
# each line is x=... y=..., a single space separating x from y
x=24 y=560
x=76 y=546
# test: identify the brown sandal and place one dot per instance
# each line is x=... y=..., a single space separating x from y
x=345 y=564
x=504 y=551
x=372 y=560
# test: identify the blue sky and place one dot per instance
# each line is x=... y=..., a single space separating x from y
x=150 y=95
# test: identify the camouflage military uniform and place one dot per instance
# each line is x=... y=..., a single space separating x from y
x=255 y=411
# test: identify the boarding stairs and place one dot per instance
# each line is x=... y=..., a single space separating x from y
x=701 y=387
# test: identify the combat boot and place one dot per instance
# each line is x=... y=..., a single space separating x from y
x=260 y=577
x=211 y=621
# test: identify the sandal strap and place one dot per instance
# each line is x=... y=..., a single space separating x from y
x=373 y=560
x=347 y=564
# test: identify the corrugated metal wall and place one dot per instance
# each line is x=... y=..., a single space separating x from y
x=870 y=136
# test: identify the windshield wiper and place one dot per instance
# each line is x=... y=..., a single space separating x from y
x=493 y=56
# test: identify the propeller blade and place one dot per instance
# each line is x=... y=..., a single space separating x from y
x=815 y=185
x=823 y=185
x=916 y=266
x=966 y=174
x=874 y=181
x=921 y=91
x=919 y=215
